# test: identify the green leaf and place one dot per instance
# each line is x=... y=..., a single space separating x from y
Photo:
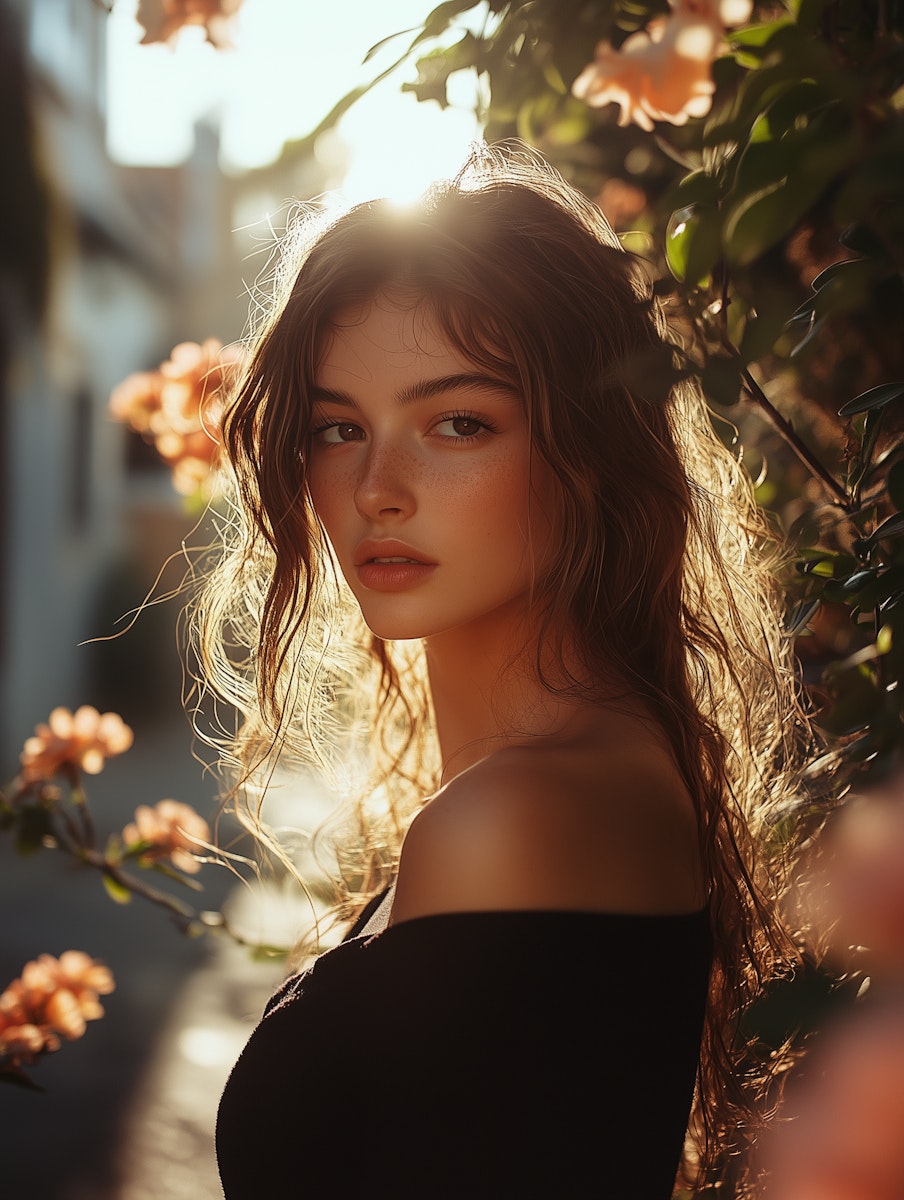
x=729 y=122
x=266 y=953
x=436 y=24
x=831 y=273
x=756 y=222
x=698 y=187
x=822 y=567
x=859 y=579
x=116 y=891
x=828 y=566
x=791 y=109
x=862 y=460
x=877 y=397
x=890 y=528
x=841 y=288
x=778 y=182
x=750 y=44
x=693 y=243
x=801 y=615
x=435 y=67
x=378 y=46
x=812 y=331
x=799 y=70
x=136 y=849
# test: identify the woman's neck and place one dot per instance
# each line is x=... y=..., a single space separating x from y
x=487 y=695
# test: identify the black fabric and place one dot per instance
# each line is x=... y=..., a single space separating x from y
x=486 y=1055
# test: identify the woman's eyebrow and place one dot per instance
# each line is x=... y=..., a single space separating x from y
x=424 y=389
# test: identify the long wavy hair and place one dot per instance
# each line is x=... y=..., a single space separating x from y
x=663 y=572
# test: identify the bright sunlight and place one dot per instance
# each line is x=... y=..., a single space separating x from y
x=289 y=65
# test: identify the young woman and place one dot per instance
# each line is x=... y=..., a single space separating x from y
x=479 y=511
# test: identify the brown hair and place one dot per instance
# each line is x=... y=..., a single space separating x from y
x=663 y=570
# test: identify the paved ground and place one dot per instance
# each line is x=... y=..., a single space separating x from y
x=128 y=1111
x=166 y=1150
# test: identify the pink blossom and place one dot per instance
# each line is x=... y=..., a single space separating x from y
x=180 y=406
x=83 y=740
x=53 y=997
x=664 y=72
x=174 y=831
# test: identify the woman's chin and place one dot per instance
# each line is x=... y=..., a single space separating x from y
x=394 y=631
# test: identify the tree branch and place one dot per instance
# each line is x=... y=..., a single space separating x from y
x=788 y=433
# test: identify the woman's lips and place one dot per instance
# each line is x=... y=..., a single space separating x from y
x=393 y=573
x=389 y=565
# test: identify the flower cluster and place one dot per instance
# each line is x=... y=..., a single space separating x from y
x=168 y=830
x=53 y=998
x=179 y=407
x=162 y=20
x=663 y=73
x=82 y=740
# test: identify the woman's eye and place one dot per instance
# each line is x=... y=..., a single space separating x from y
x=341 y=432
x=460 y=427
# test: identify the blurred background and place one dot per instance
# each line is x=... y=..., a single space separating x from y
x=143 y=188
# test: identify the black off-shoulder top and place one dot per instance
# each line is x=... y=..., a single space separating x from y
x=478 y=1054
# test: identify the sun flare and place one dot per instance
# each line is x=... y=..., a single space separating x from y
x=289 y=65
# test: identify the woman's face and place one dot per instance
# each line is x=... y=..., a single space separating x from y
x=422 y=474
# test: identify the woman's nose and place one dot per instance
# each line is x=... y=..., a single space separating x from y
x=386 y=482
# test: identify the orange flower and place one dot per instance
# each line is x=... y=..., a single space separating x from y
x=23 y=1043
x=174 y=831
x=136 y=399
x=83 y=739
x=662 y=74
x=163 y=20
x=180 y=406
x=52 y=997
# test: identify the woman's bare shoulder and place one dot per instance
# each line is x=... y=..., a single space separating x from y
x=529 y=828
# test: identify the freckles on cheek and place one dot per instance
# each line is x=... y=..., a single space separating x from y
x=326 y=494
x=496 y=502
